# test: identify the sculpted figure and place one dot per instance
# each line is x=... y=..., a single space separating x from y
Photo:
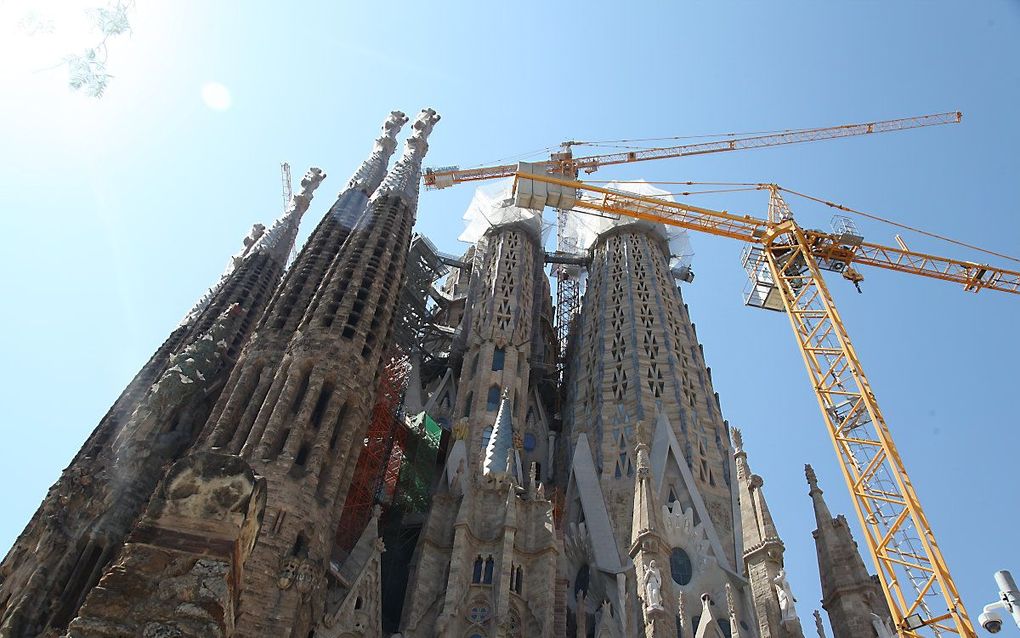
x=785 y=595
x=653 y=586
x=881 y=626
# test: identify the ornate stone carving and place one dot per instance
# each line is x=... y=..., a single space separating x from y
x=288 y=572
x=819 y=627
x=681 y=531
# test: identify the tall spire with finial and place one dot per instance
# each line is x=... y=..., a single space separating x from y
x=822 y=514
x=500 y=455
x=763 y=549
x=850 y=595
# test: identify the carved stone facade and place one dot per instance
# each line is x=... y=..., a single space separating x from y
x=608 y=503
x=636 y=363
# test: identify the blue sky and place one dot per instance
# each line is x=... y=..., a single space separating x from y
x=120 y=212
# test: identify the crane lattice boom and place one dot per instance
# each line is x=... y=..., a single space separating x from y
x=565 y=164
x=828 y=247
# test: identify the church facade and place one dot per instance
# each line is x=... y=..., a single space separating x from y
x=382 y=440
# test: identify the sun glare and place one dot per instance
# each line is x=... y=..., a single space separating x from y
x=216 y=96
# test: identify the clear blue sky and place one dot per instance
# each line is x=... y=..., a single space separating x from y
x=120 y=212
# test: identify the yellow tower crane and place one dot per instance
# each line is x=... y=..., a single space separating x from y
x=785 y=263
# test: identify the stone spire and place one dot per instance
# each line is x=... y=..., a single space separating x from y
x=850 y=595
x=404 y=178
x=501 y=457
x=278 y=240
x=650 y=551
x=763 y=551
x=822 y=514
x=819 y=626
x=372 y=171
x=232 y=420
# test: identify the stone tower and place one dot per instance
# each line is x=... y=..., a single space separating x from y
x=300 y=438
x=88 y=512
x=763 y=554
x=636 y=359
x=853 y=598
x=490 y=521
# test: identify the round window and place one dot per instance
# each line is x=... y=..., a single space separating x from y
x=529 y=442
x=680 y=566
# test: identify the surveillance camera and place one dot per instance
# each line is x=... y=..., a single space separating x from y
x=991 y=622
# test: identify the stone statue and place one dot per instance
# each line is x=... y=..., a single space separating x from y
x=653 y=587
x=731 y=612
x=785 y=595
x=881 y=625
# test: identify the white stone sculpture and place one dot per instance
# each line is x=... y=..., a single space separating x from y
x=653 y=587
x=785 y=595
x=881 y=625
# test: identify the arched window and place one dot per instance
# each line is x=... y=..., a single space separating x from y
x=476 y=576
x=520 y=577
x=581 y=581
x=492 y=400
x=680 y=566
x=467 y=404
x=489 y=564
x=498 y=359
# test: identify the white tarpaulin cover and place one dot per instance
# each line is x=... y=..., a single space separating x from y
x=493 y=205
x=585 y=228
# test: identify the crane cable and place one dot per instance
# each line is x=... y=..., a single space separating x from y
x=847 y=209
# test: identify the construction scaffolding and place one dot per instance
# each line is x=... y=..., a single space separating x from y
x=375 y=455
x=411 y=471
x=395 y=446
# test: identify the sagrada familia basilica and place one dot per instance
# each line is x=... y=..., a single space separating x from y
x=382 y=440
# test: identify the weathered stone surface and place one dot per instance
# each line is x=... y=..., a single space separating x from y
x=177 y=575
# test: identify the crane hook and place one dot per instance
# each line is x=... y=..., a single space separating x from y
x=853 y=277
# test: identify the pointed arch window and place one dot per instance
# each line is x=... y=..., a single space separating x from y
x=498 y=359
x=492 y=400
x=467 y=404
x=476 y=575
x=487 y=576
x=581 y=581
x=517 y=581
